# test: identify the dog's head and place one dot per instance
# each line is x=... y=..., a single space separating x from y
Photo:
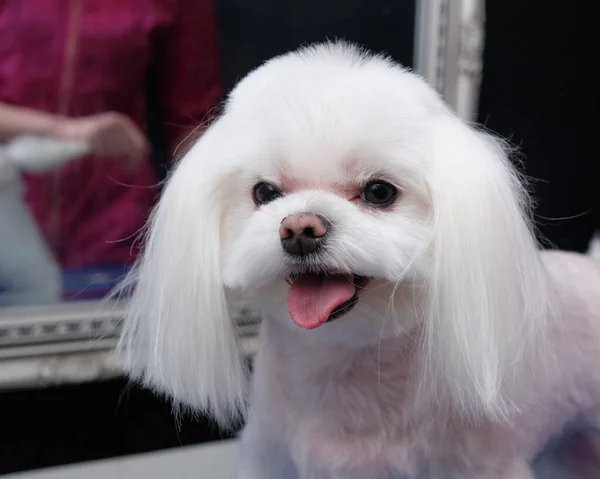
x=344 y=196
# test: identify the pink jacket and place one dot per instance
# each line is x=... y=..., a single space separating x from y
x=80 y=57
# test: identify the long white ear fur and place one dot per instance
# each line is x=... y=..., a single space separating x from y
x=179 y=338
x=488 y=294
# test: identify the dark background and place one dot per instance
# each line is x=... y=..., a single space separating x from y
x=540 y=90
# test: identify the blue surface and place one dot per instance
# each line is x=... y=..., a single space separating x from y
x=91 y=283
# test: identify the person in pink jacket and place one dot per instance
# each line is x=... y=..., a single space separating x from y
x=76 y=70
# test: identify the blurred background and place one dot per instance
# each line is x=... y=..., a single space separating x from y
x=99 y=97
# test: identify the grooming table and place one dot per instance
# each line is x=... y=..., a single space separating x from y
x=213 y=461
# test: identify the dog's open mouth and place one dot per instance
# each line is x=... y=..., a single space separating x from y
x=314 y=299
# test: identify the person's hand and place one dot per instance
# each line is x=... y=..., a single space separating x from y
x=108 y=134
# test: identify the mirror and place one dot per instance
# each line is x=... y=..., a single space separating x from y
x=71 y=212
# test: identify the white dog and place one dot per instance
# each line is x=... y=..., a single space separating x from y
x=411 y=327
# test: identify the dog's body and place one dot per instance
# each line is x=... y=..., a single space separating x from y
x=411 y=327
x=329 y=413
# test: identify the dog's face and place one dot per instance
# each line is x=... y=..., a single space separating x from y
x=350 y=203
x=329 y=211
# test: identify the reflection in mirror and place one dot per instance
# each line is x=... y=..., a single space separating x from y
x=96 y=97
x=78 y=165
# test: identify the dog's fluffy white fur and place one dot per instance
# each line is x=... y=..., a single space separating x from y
x=468 y=349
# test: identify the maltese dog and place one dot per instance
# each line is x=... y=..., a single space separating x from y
x=410 y=325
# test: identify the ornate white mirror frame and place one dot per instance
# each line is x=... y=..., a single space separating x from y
x=72 y=342
x=449 y=50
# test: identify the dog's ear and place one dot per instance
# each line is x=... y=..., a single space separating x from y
x=487 y=296
x=179 y=337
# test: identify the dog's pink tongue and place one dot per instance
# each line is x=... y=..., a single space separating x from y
x=312 y=298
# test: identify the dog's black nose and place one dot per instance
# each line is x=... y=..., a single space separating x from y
x=303 y=233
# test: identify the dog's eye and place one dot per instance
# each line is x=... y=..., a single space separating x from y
x=379 y=193
x=265 y=193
